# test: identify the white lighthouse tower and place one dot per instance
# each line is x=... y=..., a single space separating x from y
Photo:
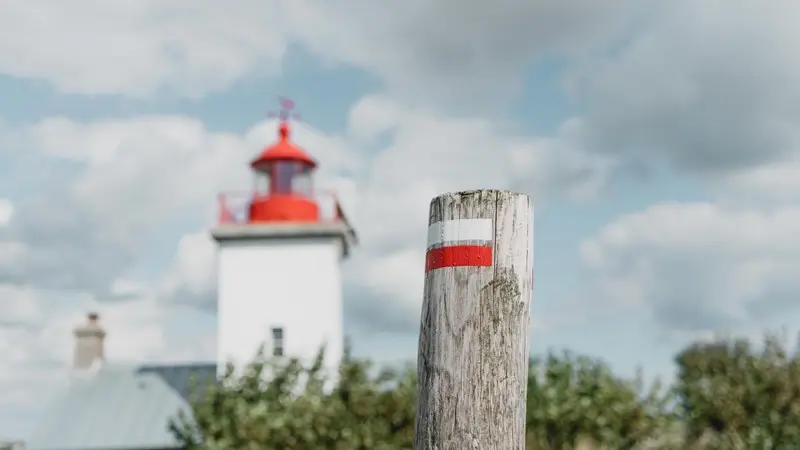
x=279 y=281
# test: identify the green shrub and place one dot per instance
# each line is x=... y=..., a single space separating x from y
x=292 y=409
x=572 y=399
x=728 y=395
x=732 y=391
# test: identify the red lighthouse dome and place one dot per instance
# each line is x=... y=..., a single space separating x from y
x=284 y=183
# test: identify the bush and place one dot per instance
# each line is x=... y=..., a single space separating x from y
x=733 y=393
x=728 y=394
x=572 y=399
x=275 y=405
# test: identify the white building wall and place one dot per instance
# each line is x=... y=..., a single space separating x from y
x=291 y=283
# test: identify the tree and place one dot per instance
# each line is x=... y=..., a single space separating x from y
x=733 y=393
x=729 y=394
x=576 y=398
x=569 y=398
x=283 y=405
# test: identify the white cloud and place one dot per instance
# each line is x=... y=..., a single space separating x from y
x=135 y=328
x=706 y=86
x=394 y=186
x=20 y=306
x=429 y=155
x=36 y=344
x=388 y=285
x=129 y=181
x=699 y=267
x=191 y=278
x=458 y=51
x=186 y=47
x=180 y=47
x=132 y=180
x=6 y=211
x=46 y=319
x=766 y=185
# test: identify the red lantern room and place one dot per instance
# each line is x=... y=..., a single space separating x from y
x=284 y=188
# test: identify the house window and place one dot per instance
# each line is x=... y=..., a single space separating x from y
x=277 y=341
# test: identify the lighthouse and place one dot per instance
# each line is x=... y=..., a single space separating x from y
x=279 y=278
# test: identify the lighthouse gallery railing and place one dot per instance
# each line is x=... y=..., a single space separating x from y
x=233 y=207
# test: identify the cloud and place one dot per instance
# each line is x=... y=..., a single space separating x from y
x=444 y=49
x=191 y=277
x=36 y=342
x=771 y=184
x=120 y=225
x=426 y=156
x=20 y=306
x=131 y=183
x=707 y=87
x=175 y=47
x=698 y=267
x=452 y=50
x=393 y=184
x=128 y=181
x=388 y=287
x=6 y=211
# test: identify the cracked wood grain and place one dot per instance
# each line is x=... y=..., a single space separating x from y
x=472 y=364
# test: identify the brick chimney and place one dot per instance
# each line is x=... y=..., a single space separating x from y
x=89 y=339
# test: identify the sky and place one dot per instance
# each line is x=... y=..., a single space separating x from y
x=660 y=141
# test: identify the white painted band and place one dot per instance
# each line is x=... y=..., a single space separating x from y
x=454 y=231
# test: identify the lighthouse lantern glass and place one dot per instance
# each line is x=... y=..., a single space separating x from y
x=282 y=174
x=285 y=178
x=303 y=182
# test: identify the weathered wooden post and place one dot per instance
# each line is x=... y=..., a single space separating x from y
x=472 y=365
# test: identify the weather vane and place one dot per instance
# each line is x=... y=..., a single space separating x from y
x=286 y=111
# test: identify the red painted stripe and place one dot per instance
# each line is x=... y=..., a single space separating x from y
x=458 y=256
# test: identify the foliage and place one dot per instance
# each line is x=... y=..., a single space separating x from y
x=734 y=392
x=576 y=398
x=283 y=405
x=728 y=395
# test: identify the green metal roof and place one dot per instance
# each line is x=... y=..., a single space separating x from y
x=119 y=408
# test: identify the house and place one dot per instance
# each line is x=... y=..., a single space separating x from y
x=117 y=407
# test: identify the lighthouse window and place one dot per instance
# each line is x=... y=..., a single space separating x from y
x=282 y=174
x=277 y=341
x=302 y=183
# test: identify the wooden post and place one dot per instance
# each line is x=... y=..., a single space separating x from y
x=472 y=365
